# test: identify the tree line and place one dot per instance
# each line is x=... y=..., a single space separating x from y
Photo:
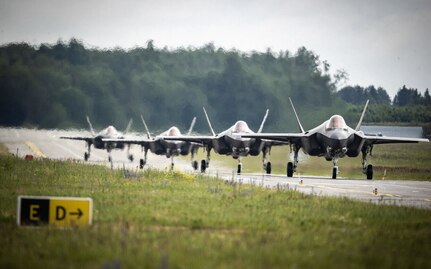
x=57 y=85
x=405 y=96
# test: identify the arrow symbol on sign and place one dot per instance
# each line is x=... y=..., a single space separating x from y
x=79 y=213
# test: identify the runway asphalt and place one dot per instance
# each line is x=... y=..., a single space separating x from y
x=46 y=143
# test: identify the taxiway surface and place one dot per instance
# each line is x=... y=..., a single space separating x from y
x=46 y=143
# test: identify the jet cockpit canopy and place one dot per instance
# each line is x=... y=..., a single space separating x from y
x=173 y=131
x=110 y=131
x=336 y=122
x=241 y=127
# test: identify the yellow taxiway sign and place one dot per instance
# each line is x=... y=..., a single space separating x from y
x=55 y=211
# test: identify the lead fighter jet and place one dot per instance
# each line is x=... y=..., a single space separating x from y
x=97 y=140
x=161 y=146
x=333 y=139
x=229 y=142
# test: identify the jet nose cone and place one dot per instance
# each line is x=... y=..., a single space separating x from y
x=338 y=135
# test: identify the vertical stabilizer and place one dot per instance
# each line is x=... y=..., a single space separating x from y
x=362 y=117
x=297 y=118
x=263 y=121
x=91 y=127
x=191 y=126
x=128 y=126
x=146 y=128
x=209 y=123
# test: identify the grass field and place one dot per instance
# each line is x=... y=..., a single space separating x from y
x=175 y=220
x=402 y=161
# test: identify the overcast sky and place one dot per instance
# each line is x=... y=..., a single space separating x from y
x=385 y=43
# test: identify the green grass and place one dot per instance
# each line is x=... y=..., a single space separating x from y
x=402 y=161
x=176 y=220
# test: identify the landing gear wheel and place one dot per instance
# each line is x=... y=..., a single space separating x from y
x=86 y=156
x=238 y=171
x=195 y=165
x=131 y=158
x=289 y=169
x=334 y=172
x=369 y=172
x=203 y=166
x=141 y=163
x=268 y=168
x=110 y=159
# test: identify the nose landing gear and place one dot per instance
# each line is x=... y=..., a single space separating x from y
x=334 y=168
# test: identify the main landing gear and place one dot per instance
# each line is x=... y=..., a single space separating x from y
x=266 y=164
x=267 y=167
x=87 y=154
x=143 y=161
x=291 y=167
x=367 y=169
x=195 y=164
x=205 y=163
x=129 y=156
x=203 y=166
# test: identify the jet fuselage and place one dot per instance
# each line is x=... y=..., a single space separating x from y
x=231 y=143
x=109 y=133
x=333 y=140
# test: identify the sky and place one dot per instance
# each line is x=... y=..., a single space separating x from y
x=385 y=43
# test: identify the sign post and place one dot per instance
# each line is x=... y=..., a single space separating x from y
x=54 y=211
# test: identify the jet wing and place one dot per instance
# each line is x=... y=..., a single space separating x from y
x=199 y=139
x=376 y=139
x=137 y=141
x=82 y=138
x=286 y=138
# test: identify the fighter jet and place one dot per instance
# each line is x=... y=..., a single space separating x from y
x=161 y=146
x=97 y=140
x=332 y=140
x=229 y=142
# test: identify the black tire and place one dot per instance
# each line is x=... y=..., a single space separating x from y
x=131 y=158
x=369 y=172
x=334 y=172
x=86 y=156
x=141 y=163
x=195 y=165
x=238 y=171
x=203 y=166
x=289 y=169
x=110 y=159
x=268 y=168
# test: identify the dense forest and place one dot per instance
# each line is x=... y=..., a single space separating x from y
x=57 y=85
